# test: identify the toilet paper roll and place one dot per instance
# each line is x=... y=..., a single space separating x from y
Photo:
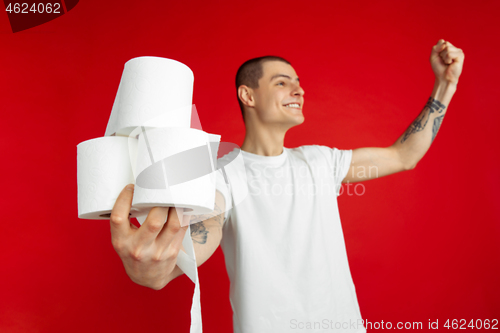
x=153 y=91
x=175 y=167
x=103 y=170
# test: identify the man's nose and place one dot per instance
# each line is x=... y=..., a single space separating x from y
x=298 y=91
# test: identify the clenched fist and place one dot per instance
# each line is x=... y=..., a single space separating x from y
x=446 y=62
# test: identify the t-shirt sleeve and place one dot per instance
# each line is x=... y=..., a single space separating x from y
x=341 y=160
x=224 y=189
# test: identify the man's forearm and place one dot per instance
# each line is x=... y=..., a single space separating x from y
x=417 y=139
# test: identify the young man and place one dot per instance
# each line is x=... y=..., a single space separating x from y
x=283 y=244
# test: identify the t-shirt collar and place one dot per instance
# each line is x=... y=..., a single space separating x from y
x=274 y=160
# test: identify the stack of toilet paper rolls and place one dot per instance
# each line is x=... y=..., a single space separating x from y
x=148 y=127
x=149 y=142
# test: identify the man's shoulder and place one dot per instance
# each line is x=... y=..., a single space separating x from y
x=320 y=153
x=317 y=149
x=310 y=154
x=313 y=150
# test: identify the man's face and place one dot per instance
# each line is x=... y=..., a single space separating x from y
x=279 y=98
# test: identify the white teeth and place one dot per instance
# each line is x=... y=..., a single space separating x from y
x=292 y=105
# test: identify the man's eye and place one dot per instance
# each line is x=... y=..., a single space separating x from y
x=281 y=83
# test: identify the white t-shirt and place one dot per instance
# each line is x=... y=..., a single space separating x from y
x=283 y=242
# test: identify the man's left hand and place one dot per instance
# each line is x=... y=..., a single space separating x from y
x=446 y=62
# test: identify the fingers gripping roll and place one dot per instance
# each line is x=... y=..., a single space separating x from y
x=149 y=253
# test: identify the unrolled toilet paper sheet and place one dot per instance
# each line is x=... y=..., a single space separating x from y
x=187 y=263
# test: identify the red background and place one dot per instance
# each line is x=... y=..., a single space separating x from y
x=422 y=244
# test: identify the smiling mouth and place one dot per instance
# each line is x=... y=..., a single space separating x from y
x=292 y=105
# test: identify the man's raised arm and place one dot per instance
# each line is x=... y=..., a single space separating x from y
x=368 y=163
x=149 y=253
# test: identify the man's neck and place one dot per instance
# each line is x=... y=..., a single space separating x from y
x=265 y=141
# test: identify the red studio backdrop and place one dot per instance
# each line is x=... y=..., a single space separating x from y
x=422 y=244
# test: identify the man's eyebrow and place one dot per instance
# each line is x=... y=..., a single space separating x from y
x=282 y=75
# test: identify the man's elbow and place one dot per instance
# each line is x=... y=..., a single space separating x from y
x=405 y=160
x=406 y=164
x=409 y=166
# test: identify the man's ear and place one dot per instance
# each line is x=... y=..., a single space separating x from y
x=246 y=95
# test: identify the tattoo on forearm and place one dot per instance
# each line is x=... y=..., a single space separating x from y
x=432 y=105
x=417 y=125
x=435 y=105
x=199 y=233
x=436 y=125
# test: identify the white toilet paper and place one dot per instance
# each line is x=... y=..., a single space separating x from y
x=175 y=167
x=147 y=140
x=187 y=263
x=153 y=91
x=103 y=170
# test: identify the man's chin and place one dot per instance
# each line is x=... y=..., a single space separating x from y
x=296 y=120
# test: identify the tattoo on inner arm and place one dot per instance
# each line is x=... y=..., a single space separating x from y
x=432 y=105
x=199 y=233
x=436 y=125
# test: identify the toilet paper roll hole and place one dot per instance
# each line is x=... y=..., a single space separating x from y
x=109 y=215
x=186 y=210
